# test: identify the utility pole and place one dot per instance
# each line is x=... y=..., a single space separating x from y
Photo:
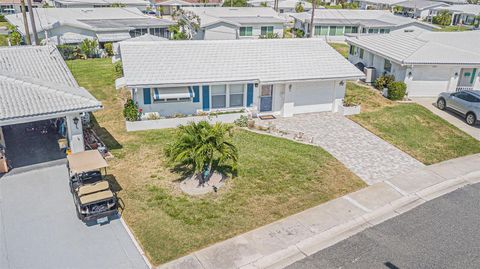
x=25 y=23
x=310 y=28
x=275 y=5
x=32 y=21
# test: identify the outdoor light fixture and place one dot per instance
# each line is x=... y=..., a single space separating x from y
x=456 y=74
x=290 y=86
x=256 y=85
x=75 y=121
x=410 y=74
x=342 y=83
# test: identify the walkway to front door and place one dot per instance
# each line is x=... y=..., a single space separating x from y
x=364 y=153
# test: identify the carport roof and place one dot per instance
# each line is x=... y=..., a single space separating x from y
x=36 y=84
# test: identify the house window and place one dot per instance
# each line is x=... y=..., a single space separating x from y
x=219 y=96
x=333 y=30
x=236 y=95
x=138 y=32
x=157 y=97
x=387 y=65
x=321 y=30
x=352 y=50
x=351 y=29
x=266 y=30
x=339 y=30
x=161 y=32
x=246 y=31
x=361 y=53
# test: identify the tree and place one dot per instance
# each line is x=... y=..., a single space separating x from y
x=299 y=7
x=443 y=18
x=264 y=4
x=203 y=148
x=188 y=24
x=177 y=34
x=235 y=3
x=89 y=47
x=161 y=10
x=14 y=36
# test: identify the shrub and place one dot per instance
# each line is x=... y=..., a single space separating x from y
x=130 y=111
x=242 y=121
x=383 y=81
x=2 y=18
x=67 y=51
x=118 y=67
x=14 y=36
x=108 y=48
x=299 y=7
x=299 y=33
x=397 y=90
x=443 y=18
x=89 y=47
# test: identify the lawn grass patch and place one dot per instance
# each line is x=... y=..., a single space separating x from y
x=341 y=48
x=454 y=28
x=276 y=178
x=411 y=127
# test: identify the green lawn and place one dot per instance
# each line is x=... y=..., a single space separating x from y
x=4 y=23
x=341 y=48
x=411 y=127
x=454 y=28
x=276 y=178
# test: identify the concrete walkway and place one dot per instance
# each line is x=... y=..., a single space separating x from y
x=365 y=154
x=453 y=118
x=283 y=242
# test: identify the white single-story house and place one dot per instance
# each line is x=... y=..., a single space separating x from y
x=461 y=14
x=281 y=77
x=15 y=6
x=219 y=23
x=377 y=4
x=36 y=85
x=140 y=4
x=334 y=24
x=73 y=25
x=417 y=9
x=284 y=6
x=168 y=7
x=428 y=62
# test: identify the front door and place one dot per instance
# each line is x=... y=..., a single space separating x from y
x=465 y=79
x=266 y=94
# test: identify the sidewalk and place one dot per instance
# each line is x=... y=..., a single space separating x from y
x=283 y=242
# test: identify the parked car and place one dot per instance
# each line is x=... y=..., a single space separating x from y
x=466 y=103
x=93 y=197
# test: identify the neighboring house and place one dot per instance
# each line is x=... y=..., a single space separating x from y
x=237 y=22
x=333 y=24
x=428 y=62
x=282 y=77
x=453 y=2
x=377 y=4
x=417 y=9
x=36 y=85
x=14 y=6
x=140 y=4
x=461 y=14
x=284 y=6
x=73 y=25
x=168 y=7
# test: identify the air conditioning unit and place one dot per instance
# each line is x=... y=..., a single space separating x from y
x=369 y=74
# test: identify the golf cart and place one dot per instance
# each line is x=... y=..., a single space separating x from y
x=93 y=197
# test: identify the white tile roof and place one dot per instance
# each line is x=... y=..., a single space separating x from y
x=420 y=4
x=383 y=2
x=466 y=9
x=93 y=19
x=457 y=48
x=287 y=4
x=34 y=81
x=72 y=3
x=366 y=18
x=169 y=63
x=235 y=15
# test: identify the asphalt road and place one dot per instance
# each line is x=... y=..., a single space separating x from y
x=442 y=233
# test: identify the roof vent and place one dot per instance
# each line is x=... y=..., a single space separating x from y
x=408 y=30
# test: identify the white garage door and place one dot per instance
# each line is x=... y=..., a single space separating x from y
x=429 y=81
x=313 y=97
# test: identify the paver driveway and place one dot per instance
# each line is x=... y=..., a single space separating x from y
x=364 y=153
x=39 y=227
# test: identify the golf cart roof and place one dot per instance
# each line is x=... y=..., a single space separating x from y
x=86 y=161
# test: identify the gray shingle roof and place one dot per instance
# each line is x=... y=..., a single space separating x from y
x=34 y=82
x=424 y=47
x=168 y=63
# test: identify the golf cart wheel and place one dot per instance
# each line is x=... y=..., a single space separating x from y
x=471 y=119
x=441 y=104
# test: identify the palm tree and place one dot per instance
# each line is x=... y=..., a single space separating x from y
x=203 y=147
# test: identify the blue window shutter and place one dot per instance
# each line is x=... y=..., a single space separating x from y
x=147 y=98
x=206 y=98
x=249 y=94
x=196 y=92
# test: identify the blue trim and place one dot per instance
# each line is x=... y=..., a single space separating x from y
x=196 y=94
x=190 y=91
x=147 y=98
x=156 y=94
x=206 y=98
x=249 y=94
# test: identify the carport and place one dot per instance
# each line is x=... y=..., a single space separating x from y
x=41 y=107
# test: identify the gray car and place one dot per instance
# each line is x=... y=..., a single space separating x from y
x=466 y=103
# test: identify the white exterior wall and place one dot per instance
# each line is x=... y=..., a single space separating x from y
x=256 y=30
x=167 y=109
x=220 y=31
x=75 y=133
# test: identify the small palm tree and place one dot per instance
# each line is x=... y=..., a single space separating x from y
x=203 y=147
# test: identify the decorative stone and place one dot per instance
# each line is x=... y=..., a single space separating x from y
x=192 y=185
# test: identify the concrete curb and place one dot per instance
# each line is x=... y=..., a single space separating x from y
x=135 y=242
